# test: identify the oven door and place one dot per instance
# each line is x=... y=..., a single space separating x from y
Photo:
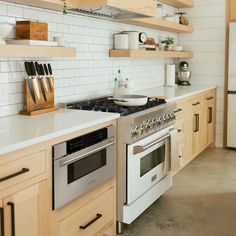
x=82 y=171
x=148 y=161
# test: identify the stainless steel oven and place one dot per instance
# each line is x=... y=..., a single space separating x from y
x=81 y=164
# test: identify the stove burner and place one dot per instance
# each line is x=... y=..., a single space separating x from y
x=106 y=105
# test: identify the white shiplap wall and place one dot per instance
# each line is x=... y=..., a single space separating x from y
x=208 y=44
x=91 y=73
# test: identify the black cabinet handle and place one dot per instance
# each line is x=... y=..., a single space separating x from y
x=210 y=115
x=91 y=222
x=179 y=110
x=197 y=103
x=179 y=130
x=24 y=170
x=210 y=98
x=2 y=221
x=12 y=205
x=197 y=123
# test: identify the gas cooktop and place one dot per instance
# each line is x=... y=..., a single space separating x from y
x=106 y=105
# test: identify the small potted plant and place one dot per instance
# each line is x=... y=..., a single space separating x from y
x=168 y=42
x=64 y=7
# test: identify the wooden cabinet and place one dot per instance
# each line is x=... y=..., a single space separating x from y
x=232 y=8
x=24 y=212
x=195 y=122
x=210 y=117
x=92 y=219
x=23 y=194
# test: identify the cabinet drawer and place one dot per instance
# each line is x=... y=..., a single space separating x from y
x=182 y=108
x=22 y=169
x=91 y=218
x=210 y=97
x=196 y=103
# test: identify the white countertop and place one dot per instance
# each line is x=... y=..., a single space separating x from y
x=19 y=131
x=172 y=94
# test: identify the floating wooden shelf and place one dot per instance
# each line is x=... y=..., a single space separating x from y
x=149 y=54
x=155 y=23
x=35 y=51
x=179 y=3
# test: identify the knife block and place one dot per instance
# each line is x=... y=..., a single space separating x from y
x=39 y=106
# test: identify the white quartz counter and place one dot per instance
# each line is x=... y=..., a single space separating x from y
x=18 y=132
x=172 y=94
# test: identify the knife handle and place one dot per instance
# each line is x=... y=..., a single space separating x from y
x=46 y=69
x=27 y=68
x=37 y=68
x=41 y=69
x=32 y=67
x=50 y=69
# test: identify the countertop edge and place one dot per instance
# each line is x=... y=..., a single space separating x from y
x=53 y=135
x=191 y=94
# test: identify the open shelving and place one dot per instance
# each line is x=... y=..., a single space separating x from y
x=149 y=54
x=155 y=23
x=35 y=51
x=179 y=3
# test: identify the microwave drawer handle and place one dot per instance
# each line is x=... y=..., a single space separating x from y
x=138 y=149
x=87 y=154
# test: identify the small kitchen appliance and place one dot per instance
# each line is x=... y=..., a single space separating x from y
x=184 y=73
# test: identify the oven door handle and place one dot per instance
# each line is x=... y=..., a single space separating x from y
x=138 y=149
x=63 y=163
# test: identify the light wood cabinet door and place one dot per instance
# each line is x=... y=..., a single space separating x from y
x=199 y=134
x=210 y=111
x=25 y=212
x=232 y=10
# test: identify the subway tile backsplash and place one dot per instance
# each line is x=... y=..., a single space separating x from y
x=91 y=73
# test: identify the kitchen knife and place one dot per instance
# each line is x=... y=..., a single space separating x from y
x=34 y=79
x=43 y=77
x=46 y=71
x=39 y=78
x=51 y=76
x=29 y=81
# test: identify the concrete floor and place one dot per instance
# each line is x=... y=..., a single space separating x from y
x=202 y=201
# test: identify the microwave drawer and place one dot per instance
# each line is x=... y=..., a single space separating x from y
x=91 y=218
x=22 y=169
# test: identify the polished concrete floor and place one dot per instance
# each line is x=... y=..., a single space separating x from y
x=202 y=201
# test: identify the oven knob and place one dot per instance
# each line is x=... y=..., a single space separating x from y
x=141 y=129
x=173 y=116
x=135 y=131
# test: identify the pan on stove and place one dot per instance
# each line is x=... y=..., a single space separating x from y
x=131 y=100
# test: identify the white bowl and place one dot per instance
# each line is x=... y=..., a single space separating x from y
x=5 y=29
x=178 y=48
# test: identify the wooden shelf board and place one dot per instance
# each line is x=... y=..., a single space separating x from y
x=149 y=54
x=35 y=51
x=155 y=23
x=179 y=3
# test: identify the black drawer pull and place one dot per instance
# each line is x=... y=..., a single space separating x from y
x=179 y=110
x=24 y=170
x=12 y=205
x=197 y=123
x=179 y=130
x=2 y=221
x=180 y=156
x=210 y=98
x=197 y=103
x=91 y=222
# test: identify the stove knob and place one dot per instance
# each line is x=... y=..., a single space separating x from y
x=135 y=131
x=141 y=129
x=173 y=116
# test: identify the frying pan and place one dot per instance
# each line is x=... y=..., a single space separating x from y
x=131 y=100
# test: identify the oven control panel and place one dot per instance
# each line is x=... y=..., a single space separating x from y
x=154 y=123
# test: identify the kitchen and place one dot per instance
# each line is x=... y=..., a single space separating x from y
x=40 y=149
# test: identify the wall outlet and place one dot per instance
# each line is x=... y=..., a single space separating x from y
x=3 y=94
